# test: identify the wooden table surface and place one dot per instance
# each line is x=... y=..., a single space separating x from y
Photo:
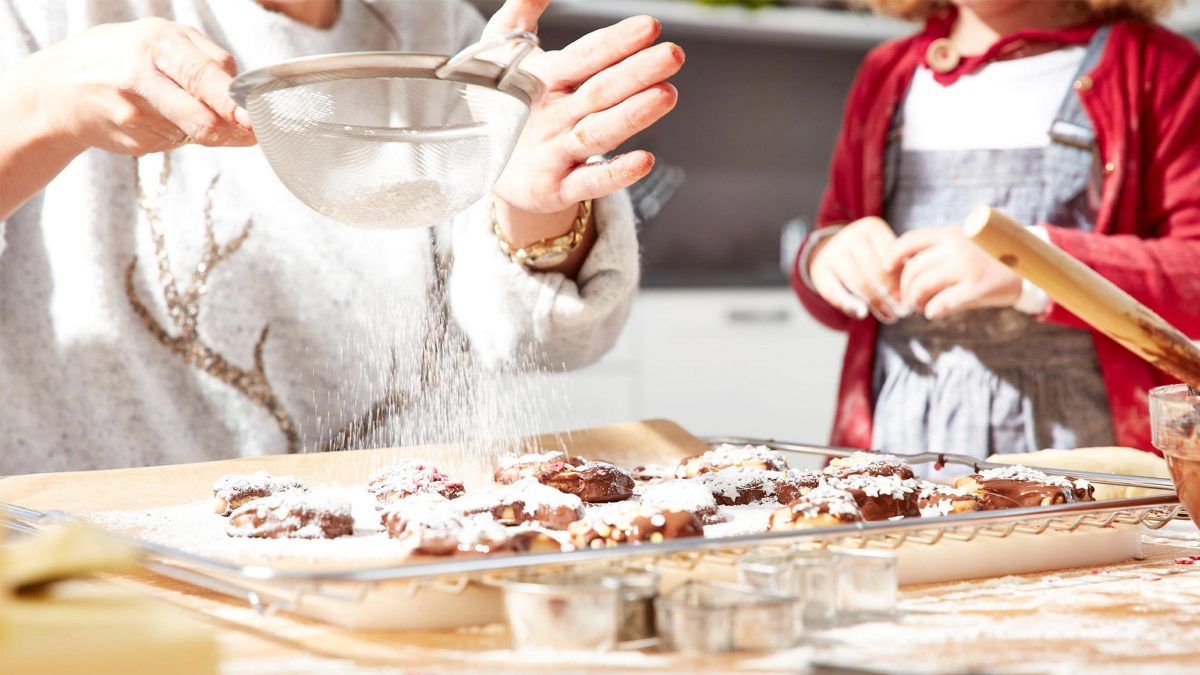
x=1141 y=616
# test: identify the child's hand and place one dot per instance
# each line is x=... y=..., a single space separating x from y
x=942 y=273
x=848 y=270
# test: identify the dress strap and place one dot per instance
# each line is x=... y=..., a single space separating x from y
x=1071 y=125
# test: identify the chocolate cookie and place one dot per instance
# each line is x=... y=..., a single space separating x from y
x=680 y=495
x=795 y=483
x=593 y=482
x=633 y=523
x=823 y=506
x=728 y=456
x=1018 y=486
x=942 y=500
x=422 y=530
x=230 y=492
x=869 y=464
x=512 y=468
x=292 y=515
x=409 y=477
x=737 y=486
x=880 y=497
x=526 y=501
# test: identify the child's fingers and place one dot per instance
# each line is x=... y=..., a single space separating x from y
x=951 y=300
x=874 y=291
x=853 y=276
x=882 y=240
x=908 y=245
x=833 y=292
x=927 y=285
x=916 y=267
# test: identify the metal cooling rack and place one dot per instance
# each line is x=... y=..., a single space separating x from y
x=267 y=589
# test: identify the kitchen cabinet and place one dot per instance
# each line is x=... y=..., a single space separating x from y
x=741 y=361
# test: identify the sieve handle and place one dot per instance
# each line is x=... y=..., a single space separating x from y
x=525 y=43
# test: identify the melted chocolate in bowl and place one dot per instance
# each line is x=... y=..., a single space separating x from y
x=1175 y=430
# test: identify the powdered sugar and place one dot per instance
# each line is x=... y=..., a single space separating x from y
x=1024 y=473
x=290 y=514
x=408 y=477
x=194 y=528
x=875 y=486
x=825 y=498
x=528 y=491
x=860 y=460
x=680 y=496
x=260 y=482
x=726 y=456
x=510 y=461
x=732 y=482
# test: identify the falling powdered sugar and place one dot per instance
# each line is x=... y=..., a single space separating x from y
x=403 y=205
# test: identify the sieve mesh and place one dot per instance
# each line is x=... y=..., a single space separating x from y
x=389 y=140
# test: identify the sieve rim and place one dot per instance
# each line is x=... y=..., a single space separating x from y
x=519 y=84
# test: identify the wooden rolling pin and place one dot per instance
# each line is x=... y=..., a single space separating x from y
x=1086 y=294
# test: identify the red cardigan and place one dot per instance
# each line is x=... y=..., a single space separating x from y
x=1144 y=101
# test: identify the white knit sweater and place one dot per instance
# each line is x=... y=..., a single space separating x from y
x=85 y=384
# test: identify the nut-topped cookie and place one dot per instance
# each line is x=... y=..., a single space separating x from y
x=682 y=495
x=1018 y=486
x=823 y=506
x=526 y=501
x=232 y=491
x=409 y=477
x=512 y=468
x=869 y=464
x=593 y=482
x=731 y=456
x=292 y=515
x=633 y=523
x=880 y=497
x=934 y=499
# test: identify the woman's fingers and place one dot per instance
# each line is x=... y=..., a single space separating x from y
x=593 y=181
x=617 y=83
x=223 y=59
x=197 y=122
x=604 y=131
x=206 y=80
x=515 y=15
x=579 y=61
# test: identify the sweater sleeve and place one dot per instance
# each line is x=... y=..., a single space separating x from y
x=518 y=317
x=1158 y=266
x=841 y=200
x=25 y=28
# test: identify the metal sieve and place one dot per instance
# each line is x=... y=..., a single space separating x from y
x=391 y=139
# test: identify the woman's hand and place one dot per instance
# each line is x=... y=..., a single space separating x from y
x=139 y=87
x=943 y=273
x=601 y=90
x=849 y=270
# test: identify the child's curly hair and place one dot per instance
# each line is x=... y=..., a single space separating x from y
x=1146 y=10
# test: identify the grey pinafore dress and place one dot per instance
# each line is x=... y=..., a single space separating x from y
x=992 y=380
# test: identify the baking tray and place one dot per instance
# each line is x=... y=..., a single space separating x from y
x=453 y=592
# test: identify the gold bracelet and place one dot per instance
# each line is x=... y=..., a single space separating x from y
x=548 y=252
